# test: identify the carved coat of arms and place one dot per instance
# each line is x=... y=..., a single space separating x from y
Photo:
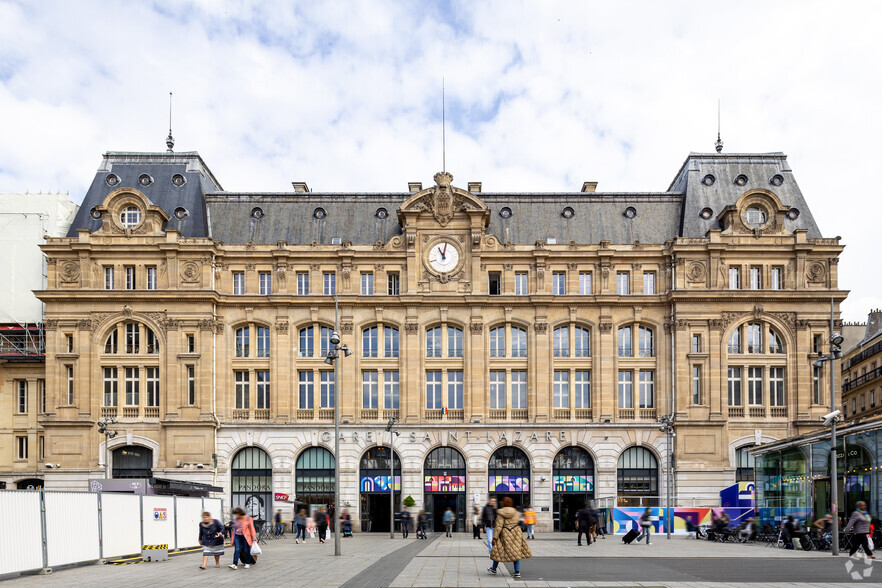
x=442 y=198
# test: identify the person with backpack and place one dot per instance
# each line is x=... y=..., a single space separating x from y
x=321 y=522
x=300 y=522
x=585 y=521
x=211 y=538
x=645 y=525
x=860 y=524
x=449 y=518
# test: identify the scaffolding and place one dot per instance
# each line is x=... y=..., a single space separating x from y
x=22 y=342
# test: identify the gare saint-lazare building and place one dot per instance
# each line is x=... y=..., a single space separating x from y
x=528 y=342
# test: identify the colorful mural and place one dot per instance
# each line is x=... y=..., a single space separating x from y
x=573 y=484
x=445 y=484
x=509 y=484
x=378 y=483
x=628 y=518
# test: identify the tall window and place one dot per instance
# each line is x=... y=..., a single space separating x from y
x=775 y=344
x=369 y=342
x=755 y=386
x=518 y=342
x=433 y=389
x=625 y=348
x=70 y=344
x=70 y=385
x=41 y=398
x=582 y=388
x=108 y=278
x=649 y=282
x=433 y=342
x=238 y=283
x=696 y=384
x=647 y=389
x=521 y=284
x=325 y=340
x=647 y=346
x=756 y=278
x=191 y=385
x=130 y=278
x=327 y=389
x=22 y=404
x=263 y=388
x=151 y=376
x=776 y=386
x=777 y=279
x=494 y=283
x=307 y=343
x=367 y=284
x=734 y=386
x=133 y=338
x=559 y=283
x=390 y=389
x=265 y=279
x=744 y=465
x=111 y=387
x=329 y=283
x=696 y=343
x=735 y=341
x=734 y=278
x=302 y=283
x=369 y=389
x=393 y=284
x=518 y=389
x=497 y=342
x=623 y=283
x=21 y=444
x=306 y=389
x=497 y=389
x=582 y=340
x=562 y=342
x=754 y=338
x=561 y=389
x=191 y=344
x=263 y=342
x=390 y=342
x=133 y=386
x=816 y=385
x=626 y=396
x=151 y=278
x=243 y=389
x=454 y=389
x=243 y=339
x=585 y=286
x=454 y=342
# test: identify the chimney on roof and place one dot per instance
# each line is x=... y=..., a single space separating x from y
x=589 y=187
x=475 y=187
x=414 y=187
x=300 y=186
x=874 y=322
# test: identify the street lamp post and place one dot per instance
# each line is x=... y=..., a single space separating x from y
x=331 y=359
x=390 y=427
x=830 y=419
x=667 y=427
x=103 y=429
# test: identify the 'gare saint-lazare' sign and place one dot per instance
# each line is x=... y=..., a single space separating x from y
x=452 y=436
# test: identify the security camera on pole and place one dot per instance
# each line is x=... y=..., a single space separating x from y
x=390 y=428
x=103 y=428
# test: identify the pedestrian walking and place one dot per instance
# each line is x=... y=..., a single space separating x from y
x=422 y=524
x=645 y=525
x=860 y=523
x=476 y=524
x=300 y=523
x=530 y=521
x=488 y=520
x=321 y=523
x=599 y=528
x=508 y=542
x=448 y=521
x=405 y=522
x=244 y=536
x=585 y=521
x=211 y=538
x=278 y=521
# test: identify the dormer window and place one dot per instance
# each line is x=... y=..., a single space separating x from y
x=145 y=180
x=130 y=217
x=755 y=216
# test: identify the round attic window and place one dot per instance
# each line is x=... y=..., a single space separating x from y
x=505 y=212
x=178 y=180
x=111 y=180
x=706 y=213
x=319 y=213
x=740 y=180
x=257 y=212
x=93 y=212
x=382 y=213
x=130 y=217
x=708 y=180
x=776 y=180
x=755 y=216
x=181 y=213
x=568 y=212
x=145 y=180
x=630 y=212
x=793 y=213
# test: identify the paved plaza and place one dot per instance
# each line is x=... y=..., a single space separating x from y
x=376 y=560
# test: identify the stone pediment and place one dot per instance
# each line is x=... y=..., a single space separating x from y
x=443 y=201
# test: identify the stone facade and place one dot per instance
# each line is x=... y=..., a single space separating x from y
x=647 y=311
x=862 y=372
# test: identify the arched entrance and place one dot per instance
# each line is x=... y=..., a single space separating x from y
x=251 y=475
x=508 y=474
x=444 y=479
x=637 y=478
x=314 y=479
x=374 y=485
x=29 y=484
x=572 y=484
x=132 y=461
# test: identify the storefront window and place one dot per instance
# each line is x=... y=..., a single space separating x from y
x=252 y=482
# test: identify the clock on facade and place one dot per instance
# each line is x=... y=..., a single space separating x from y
x=443 y=257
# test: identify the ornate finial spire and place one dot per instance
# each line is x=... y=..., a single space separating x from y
x=719 y=144
x=170 y=141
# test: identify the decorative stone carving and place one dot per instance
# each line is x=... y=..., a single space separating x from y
x=219 y=270
x=605 y=327
x=412 y=328
x=379 y=245
x=206 y=325
x=788 y=318
x=667 y=327
x=476 y=328
x=441 y=201
x=396 y=241
x=636 y=266
x=282 y=327
x=716 y=324
x=70 y=272
x=249 y=246
x=127 y=311
x=802 y=324
x=541 y=327
x=190 y=272
x=816 y=272
x=681 y=324
x=219 y=327
x=172 y=324
x=730 y=317
x=757 y=311
x=84 y=324
x=314 y=266
x=281 y=274
x=249 y=267
x=51 y=324
x=346 y=328
x=572 y=266
x=696 y=271
x=507 y=266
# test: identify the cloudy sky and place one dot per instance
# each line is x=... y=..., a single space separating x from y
x=540 y=96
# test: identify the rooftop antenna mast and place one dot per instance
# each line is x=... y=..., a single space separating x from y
x=170 y=141
x=443 y=130
x=719 y=144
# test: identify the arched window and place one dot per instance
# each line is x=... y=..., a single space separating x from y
x=110 y=346
x=307 y=342
x=133 y=461
x=625 y=348
x=369 y=342
x=375 y=469
x=263 y=342
x=751 y=338
x=744 y=464
x=454 y=342
x=130 y=217
x=518 y=342
x=509 y=472
x=133 y=333
x=243 y=342
x=433 y=342
x=754 y=338
x=251 y=475
x=562 y=342
x=755 y=216
x=572 y=341
x=390 y=342
x=314 y=476
x=637 y=477
x=573 y=471
x=582 y=340
x=646 y=342
x=497 y=342
x=444 y=458
x=735 y=341
x=775 y=343
x=517 y=337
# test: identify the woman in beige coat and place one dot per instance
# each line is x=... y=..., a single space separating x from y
x=508 y=539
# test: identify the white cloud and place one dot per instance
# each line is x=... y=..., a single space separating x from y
x=541 y=96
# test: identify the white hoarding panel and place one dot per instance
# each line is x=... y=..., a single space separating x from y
x=121 y=524
x=21 y=548
x=159 y=520
x=71 y=527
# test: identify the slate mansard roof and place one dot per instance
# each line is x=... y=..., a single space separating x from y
x=289 y=216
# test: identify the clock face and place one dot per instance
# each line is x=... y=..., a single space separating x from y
x=443 y=257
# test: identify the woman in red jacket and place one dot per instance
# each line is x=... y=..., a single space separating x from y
x=244 y=536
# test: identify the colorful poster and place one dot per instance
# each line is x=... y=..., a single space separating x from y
x=445 y=484
x=509 y=484
x=683 y=518
x=573 y=484
x=379 y=483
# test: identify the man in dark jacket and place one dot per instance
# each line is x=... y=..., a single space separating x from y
x=488 y=519
x=585 y=519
